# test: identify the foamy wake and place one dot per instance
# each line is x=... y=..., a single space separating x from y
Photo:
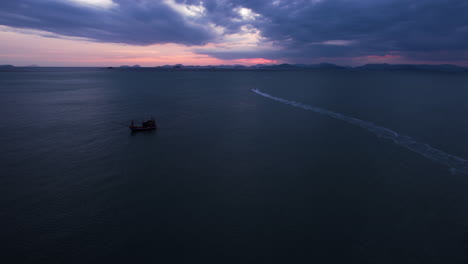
x=456 y=164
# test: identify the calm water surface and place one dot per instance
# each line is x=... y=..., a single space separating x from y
x=230 y=176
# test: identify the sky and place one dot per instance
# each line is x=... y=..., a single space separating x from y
x=246 y=32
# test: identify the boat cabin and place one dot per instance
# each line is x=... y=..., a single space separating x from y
x=145 y=125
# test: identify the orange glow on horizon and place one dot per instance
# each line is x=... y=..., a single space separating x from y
x=21 y=49
x=197 y=59
x=254 y=61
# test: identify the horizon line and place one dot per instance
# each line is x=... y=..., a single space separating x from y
x=243 y=65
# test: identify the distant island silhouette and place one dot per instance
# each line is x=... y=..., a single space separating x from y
x=279 y=67
x=323 y=66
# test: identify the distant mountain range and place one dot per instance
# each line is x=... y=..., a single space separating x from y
x=286 y=67
x=330 y=66
x=412 y=67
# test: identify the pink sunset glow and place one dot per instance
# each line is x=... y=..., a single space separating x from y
x=254 y=61
x=23 y=48
x=20 y=48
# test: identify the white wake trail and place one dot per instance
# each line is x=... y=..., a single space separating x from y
x=456 y=164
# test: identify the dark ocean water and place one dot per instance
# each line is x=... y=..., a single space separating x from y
x=233 y=176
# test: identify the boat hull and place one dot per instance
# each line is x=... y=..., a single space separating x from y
x=135 y=128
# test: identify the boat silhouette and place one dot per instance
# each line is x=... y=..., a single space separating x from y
x=145 y=125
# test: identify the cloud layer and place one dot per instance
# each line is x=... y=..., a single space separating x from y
x=136 y=22
x=289 y=30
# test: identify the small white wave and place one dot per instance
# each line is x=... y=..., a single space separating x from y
x=456 y=164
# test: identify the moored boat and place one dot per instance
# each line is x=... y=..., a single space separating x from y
x=145 y=126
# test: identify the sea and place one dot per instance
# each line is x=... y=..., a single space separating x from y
x=246 y=166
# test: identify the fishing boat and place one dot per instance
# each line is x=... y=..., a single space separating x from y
x=145 y=126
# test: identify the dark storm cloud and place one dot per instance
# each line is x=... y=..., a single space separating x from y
x=413 y=28
x=138 y=22
x=418 y=29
